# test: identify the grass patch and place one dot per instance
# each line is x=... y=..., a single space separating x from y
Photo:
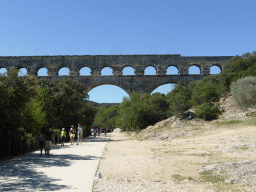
x=204 y=155
x=157 y=149
x=251 y=121
x=208 y=176
x=140 y=138
x=230 y=122
x=190 y=178
x=244 y=148
x=178 y=177
x=241 y=149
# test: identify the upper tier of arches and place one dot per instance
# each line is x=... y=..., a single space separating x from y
x=192 y=69
x=117 y=63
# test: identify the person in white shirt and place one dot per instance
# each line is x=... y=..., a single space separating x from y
x=79 y=133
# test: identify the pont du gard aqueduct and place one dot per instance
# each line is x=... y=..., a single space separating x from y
x=139 y=82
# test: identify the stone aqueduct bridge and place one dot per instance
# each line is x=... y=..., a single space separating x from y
x=139 y=82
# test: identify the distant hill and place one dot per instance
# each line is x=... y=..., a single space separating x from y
x=106 y=105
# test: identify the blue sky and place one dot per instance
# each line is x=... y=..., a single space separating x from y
x=105 y=27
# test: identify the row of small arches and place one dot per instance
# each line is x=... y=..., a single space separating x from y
x=86 y=71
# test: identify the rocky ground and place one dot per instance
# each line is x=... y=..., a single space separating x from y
x=184 y=155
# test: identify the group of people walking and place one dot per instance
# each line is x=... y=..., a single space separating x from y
x=46 y=137
x=72 y=133
x=97 y=131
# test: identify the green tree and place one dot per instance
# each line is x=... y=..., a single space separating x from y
x=254 y=53
x=141 y=110
x=123 y=110
x=207 y=111
x=106 y=117
x=100 y=118
x=16 y=93
x=61 y=101
x=86 y=116
x=204 y=92
x=33 y=117
x=179 y=99
x=248 y=54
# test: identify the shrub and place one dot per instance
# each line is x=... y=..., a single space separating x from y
x=178 y=99
x=204 y=92
x=244 y=92
x=207 y=111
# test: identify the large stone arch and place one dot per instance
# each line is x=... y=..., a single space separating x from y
x=168 y=79
x=162 y=85
x=105 y=83
x=151 y=89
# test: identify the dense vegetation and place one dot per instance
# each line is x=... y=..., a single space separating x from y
x=27 y=104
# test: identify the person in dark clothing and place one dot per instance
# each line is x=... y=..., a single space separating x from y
x=41 y=140
x=48 y=136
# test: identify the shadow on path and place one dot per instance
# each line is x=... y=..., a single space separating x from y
x=18 y=174
x=102 y=138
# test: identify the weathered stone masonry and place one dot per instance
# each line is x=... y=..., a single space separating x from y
x=139 y=82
